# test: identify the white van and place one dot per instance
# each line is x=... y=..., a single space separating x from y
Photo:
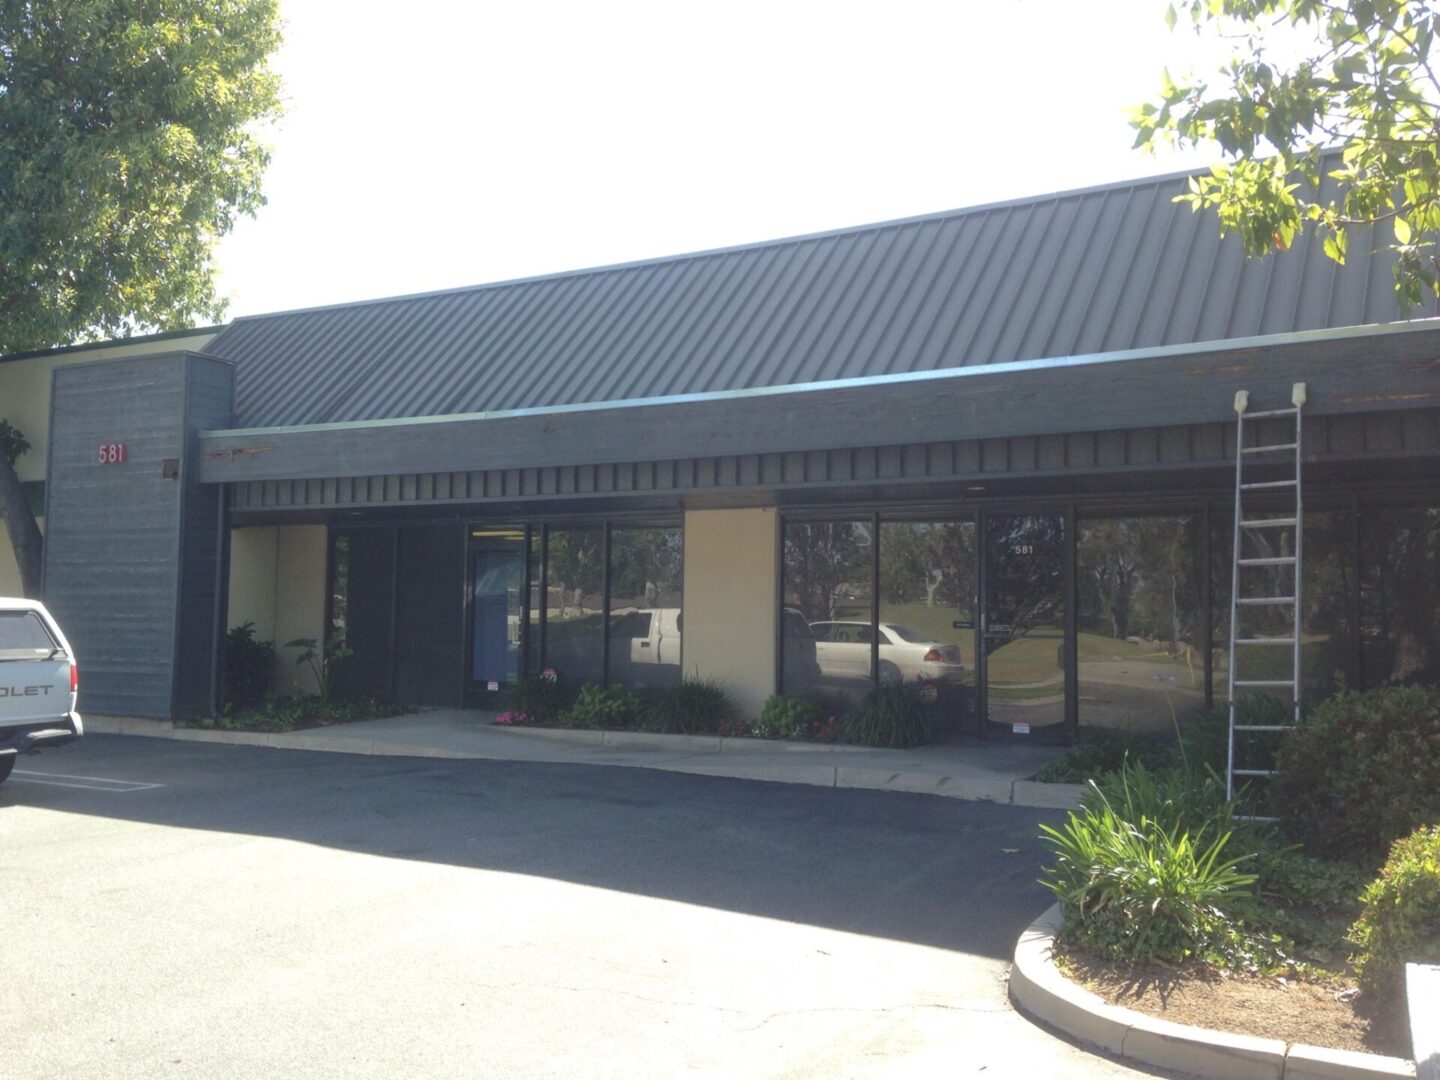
x=38 y=682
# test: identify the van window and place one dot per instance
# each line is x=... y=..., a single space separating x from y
x=632 y=624
x=23 y=630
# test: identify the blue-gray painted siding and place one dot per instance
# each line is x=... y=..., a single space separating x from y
x=209 y=400
x=117 y=535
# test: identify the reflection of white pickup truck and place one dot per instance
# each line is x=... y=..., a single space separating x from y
x=38 y=681
x=645 y=636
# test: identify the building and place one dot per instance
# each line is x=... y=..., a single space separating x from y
x=797 y=465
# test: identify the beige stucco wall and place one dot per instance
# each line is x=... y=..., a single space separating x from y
x=277 y=581
x=730 y=601
x=25 y=388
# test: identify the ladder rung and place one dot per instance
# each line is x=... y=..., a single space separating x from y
x=1267 y=449
x=1264 y=727
x=1269 y=560
x=1256 y=485
x=1253 y=601
x=1265 y=641
x=1267 y=523
x=1253 y=772
x=1264 y=682
x=1267 y=413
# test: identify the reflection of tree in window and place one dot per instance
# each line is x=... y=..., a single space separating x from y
x=826 y=562
x=576 y=569
x=1023 y=583
x=645 y=567
x=1402 y=596
x=1137 y=578
x=933 y=563
x=339 y=581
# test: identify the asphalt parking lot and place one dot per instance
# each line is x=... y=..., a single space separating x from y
x=184 y=910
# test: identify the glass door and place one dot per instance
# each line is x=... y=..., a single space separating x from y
x=927 y=615
x=497 y=582
x=1023 y=625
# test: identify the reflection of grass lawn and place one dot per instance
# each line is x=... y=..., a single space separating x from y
x=1024 y=659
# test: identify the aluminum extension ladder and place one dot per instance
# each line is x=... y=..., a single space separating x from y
x=1276 y=596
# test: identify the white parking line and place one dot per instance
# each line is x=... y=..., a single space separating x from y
x=89 y=783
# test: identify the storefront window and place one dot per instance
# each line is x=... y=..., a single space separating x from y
x=826 y=622
x=575 y=621
x=1400 y=595
x=927 y=612
x=645 y=622
x=537 y=602
x=1139 y=648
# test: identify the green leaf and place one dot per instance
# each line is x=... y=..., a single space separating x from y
x=1402 y=230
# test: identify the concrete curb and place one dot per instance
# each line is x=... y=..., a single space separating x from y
x=1039 y=989
x=700 y=744
x=704 y=757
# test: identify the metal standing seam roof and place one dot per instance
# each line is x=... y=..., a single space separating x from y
x=1089 y=271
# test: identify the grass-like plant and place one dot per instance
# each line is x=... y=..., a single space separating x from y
x=889 y=716
x=1139 y=889
x=695 y=706
x=1173 y=798
x=539 y=698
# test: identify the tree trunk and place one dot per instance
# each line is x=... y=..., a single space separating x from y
x=22 y=528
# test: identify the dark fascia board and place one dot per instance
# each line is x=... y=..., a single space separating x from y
x=1359 y=369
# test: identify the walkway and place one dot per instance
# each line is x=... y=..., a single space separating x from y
x=964 y=769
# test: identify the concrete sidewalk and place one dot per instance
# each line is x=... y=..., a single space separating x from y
x=963 y=770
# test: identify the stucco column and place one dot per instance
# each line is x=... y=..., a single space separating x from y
x=730 y=583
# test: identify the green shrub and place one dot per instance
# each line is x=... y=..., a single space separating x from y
x=1134 y=890
x=615 y=709
x=1400 y=915
x=538 y=698
x=1362 y=771
x=288 y=713
x=889 y=716
x=249 y=667
x=788 y=718
x=694 y=707
x=1099 y=752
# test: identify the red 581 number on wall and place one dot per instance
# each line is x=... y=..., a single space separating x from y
x=112 y=453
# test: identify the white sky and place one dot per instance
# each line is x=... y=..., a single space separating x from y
x=437 y=143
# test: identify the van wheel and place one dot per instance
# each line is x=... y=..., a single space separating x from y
x=7 y=762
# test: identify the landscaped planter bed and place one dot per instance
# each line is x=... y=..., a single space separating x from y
x=1297 y=1009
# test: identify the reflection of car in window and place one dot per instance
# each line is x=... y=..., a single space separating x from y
x=842 y=649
